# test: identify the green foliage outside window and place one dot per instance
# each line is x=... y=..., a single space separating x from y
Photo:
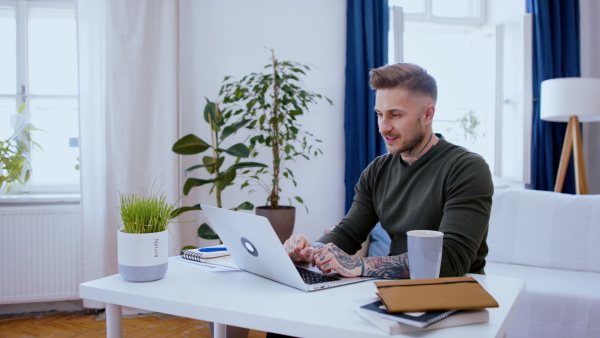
x=15 y=150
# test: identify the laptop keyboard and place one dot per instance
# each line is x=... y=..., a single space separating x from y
x=311 y=277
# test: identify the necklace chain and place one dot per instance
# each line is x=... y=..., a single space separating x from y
x=425 y=146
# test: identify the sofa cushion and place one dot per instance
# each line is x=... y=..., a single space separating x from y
x=545 y=229
x=558 y=303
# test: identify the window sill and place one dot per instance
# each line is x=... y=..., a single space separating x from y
x=37 y=199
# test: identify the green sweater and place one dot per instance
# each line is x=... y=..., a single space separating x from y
x=448 y=189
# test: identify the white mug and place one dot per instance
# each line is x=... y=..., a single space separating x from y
x=424 y=253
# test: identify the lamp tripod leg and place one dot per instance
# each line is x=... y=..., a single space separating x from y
x=564 y=159
x=580 y=173
x=573 y=144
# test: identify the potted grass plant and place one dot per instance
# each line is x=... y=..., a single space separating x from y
x=143 y=240
x=270 y=105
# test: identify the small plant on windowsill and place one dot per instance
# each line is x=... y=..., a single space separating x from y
x=15 y=150
x=466 y=124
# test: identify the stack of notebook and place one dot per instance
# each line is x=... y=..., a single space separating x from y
x=215 y=258
x=205 y=254
x=426 y=304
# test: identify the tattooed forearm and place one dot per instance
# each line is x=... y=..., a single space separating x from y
x=388 y=267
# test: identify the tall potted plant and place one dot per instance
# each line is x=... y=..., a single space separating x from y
x=220 y=129
x=269 y=104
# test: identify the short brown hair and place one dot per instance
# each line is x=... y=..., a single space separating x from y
x=404 y=75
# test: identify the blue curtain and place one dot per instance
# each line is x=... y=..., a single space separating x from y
x=555 y=55
x=366 y=48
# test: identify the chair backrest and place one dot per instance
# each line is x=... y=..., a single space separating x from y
x=545 y=229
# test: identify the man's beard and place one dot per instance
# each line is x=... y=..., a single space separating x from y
x=409 y=142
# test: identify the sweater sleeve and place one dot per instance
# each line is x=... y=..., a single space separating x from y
x=469 y=190
x=356 y=226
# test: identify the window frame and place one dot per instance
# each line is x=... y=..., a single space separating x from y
x=427 y=15
x=22 y=11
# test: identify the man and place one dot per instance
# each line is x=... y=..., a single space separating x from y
x=424 y=182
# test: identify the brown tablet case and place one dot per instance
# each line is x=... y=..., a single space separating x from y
x=416 y=295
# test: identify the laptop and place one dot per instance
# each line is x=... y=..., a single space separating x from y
x=255 y=247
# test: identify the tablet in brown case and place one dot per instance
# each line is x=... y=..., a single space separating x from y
x=452 y=293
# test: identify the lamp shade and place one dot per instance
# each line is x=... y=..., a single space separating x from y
x=564 y=97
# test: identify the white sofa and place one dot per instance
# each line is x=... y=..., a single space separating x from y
x=553 y=241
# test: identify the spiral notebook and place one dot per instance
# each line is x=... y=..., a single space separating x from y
x=418 y=319
x=199 y=256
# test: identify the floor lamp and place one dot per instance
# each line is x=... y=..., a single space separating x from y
x=573 y=100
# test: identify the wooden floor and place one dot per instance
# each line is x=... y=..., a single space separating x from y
x=82 y=326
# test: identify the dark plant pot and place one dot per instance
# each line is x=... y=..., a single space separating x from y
x=281 y=219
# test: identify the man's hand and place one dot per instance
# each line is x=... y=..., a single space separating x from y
x=298 y=248
x=329 y=257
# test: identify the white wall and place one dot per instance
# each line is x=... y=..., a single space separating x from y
x=233 y=37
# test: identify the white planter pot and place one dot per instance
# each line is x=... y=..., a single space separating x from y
x=143 y=257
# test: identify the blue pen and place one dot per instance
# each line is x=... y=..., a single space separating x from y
x=212 y=249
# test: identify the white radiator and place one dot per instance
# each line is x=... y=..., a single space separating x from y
x=40 y=251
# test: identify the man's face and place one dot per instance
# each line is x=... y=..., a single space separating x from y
x=400 y=118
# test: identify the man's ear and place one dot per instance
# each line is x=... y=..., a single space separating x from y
x=428 y=114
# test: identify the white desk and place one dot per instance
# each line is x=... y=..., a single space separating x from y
x=243 y=299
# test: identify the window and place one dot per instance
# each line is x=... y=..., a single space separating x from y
x=39 y=67
x=455 y=11
x=470 y=60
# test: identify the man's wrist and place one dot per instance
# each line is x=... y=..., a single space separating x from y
x=362 y=266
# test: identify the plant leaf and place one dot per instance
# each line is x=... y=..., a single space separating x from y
x=225 y=179
x=210 y=116
x=209 y=163
x=21 y=107
x=205 y=232
x=188 y=247
x=247 y=165
x=238 y=150
x=190 y=145
x=194 y=182
x=192 y=168
x=244 y=206
x=232 y=129
x=181 y=210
